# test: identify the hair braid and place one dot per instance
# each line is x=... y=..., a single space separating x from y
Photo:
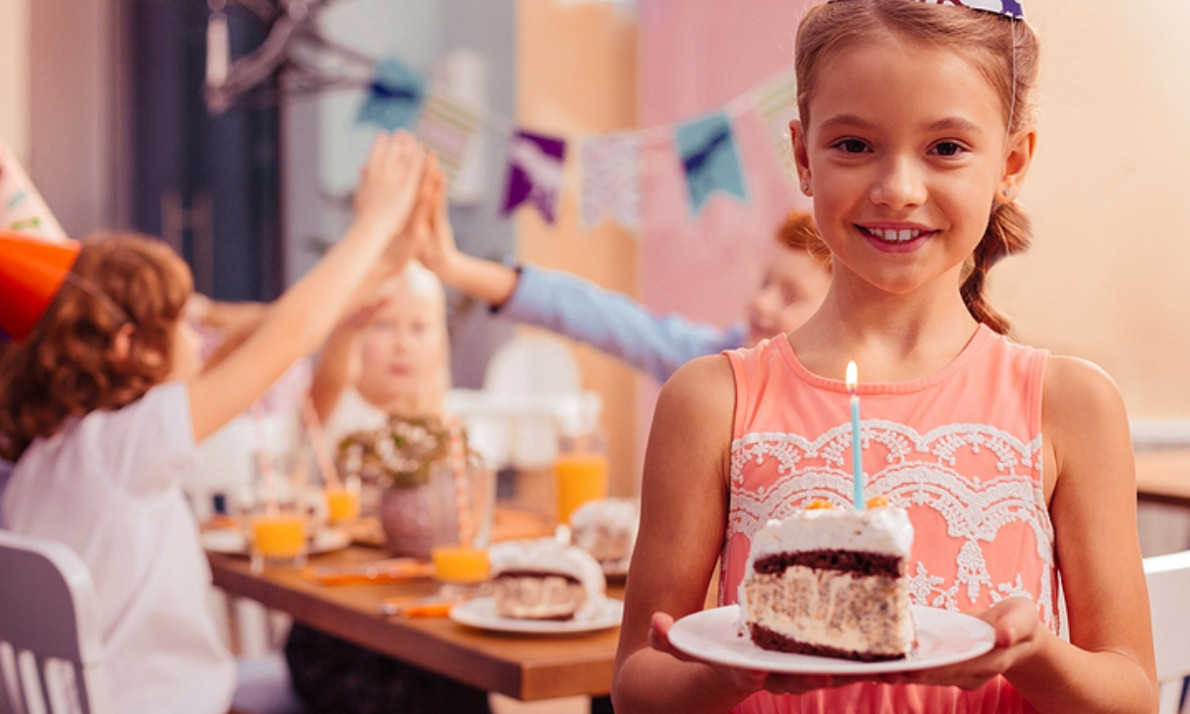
x=1009 y=231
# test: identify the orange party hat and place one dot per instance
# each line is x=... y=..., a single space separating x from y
x=32 y=271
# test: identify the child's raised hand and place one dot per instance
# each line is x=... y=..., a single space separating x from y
x=435 y=238
x=389 y=182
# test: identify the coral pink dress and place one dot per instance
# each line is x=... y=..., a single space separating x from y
x=959 y=449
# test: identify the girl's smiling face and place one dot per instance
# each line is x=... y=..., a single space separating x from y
x=905 y=150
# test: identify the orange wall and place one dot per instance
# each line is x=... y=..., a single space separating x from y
x=1106 y=278
x=576 y=75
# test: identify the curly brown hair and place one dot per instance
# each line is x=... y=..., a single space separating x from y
x=67 y=365
x=799 y=232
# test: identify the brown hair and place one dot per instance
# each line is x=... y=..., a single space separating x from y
x=66 y=366
x=799 y=232
x=1005 y=51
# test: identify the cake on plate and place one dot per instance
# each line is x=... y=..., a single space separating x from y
x=543 y=579
x=831 y=582
x=606 y=528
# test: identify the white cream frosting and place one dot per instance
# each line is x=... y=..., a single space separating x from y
x=606 y=528
x=613 y=513
x=871 y=530
x=546 y=555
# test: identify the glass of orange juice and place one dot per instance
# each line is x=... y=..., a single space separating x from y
x=279 y=537
x=342 y=500
x=580 y=471
x=277 y=518
x=462 y=499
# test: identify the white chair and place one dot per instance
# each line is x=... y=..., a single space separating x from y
x=1168 y=577
x=535 y=382
x=533 y=364
x=50 y=652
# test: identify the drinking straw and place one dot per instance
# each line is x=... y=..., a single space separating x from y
x=458 y=460
x=314 y=430
x=264 y=460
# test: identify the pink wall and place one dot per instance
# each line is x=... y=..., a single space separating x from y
x=695 y=58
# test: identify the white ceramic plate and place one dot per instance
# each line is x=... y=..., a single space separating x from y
x=233 y=542
x=943 y=637
x=481 y=612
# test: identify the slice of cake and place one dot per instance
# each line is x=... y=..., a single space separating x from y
x=543 y=579
x=606 y=528
x=831 y=583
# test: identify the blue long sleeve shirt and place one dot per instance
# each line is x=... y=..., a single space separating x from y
x=613 y=322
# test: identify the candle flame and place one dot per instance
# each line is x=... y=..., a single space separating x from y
x=852 y=376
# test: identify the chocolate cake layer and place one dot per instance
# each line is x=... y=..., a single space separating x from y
x=770 y=640
x=844 y=561
x=538 y=574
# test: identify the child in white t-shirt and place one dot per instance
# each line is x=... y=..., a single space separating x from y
x=102 y=405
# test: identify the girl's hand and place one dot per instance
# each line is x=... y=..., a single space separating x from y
x=1017 y=626
x=747 y=681
x=435 y=238
x=389 y=183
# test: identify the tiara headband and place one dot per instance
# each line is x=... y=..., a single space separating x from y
x=1008 y=8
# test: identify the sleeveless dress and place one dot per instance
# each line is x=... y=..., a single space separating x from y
x=960 y=450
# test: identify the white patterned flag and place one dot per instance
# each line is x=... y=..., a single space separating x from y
x=611 y=180
x=448 y=128
x=776 y=104
x=21 y=206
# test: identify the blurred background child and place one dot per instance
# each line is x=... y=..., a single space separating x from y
x=103 y=403
x=390 y=360
x=391 y=357
x=792 y=287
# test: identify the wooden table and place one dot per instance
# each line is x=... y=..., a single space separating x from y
x=526 y=667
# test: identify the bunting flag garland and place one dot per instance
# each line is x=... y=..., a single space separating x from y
x=776 y=104
x=448 y=128
x=394 y=96
x=399 y=96
x=21 y=206
x=710 y=159
x=535 y=169
x=611 y=180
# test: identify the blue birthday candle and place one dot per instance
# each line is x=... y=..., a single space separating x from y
x=857 y=470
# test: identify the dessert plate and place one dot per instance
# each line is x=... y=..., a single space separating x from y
x=233 y=542
x=943 y=637
x=481 y=612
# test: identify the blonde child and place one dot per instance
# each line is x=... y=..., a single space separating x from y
x=102 y=406
x=1016 y=468
x=389 y=359
x=795 y=280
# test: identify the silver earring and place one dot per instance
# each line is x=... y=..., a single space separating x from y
x=805 y=187
x=1007 y=192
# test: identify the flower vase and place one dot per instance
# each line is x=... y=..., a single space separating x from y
x=405 y=517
